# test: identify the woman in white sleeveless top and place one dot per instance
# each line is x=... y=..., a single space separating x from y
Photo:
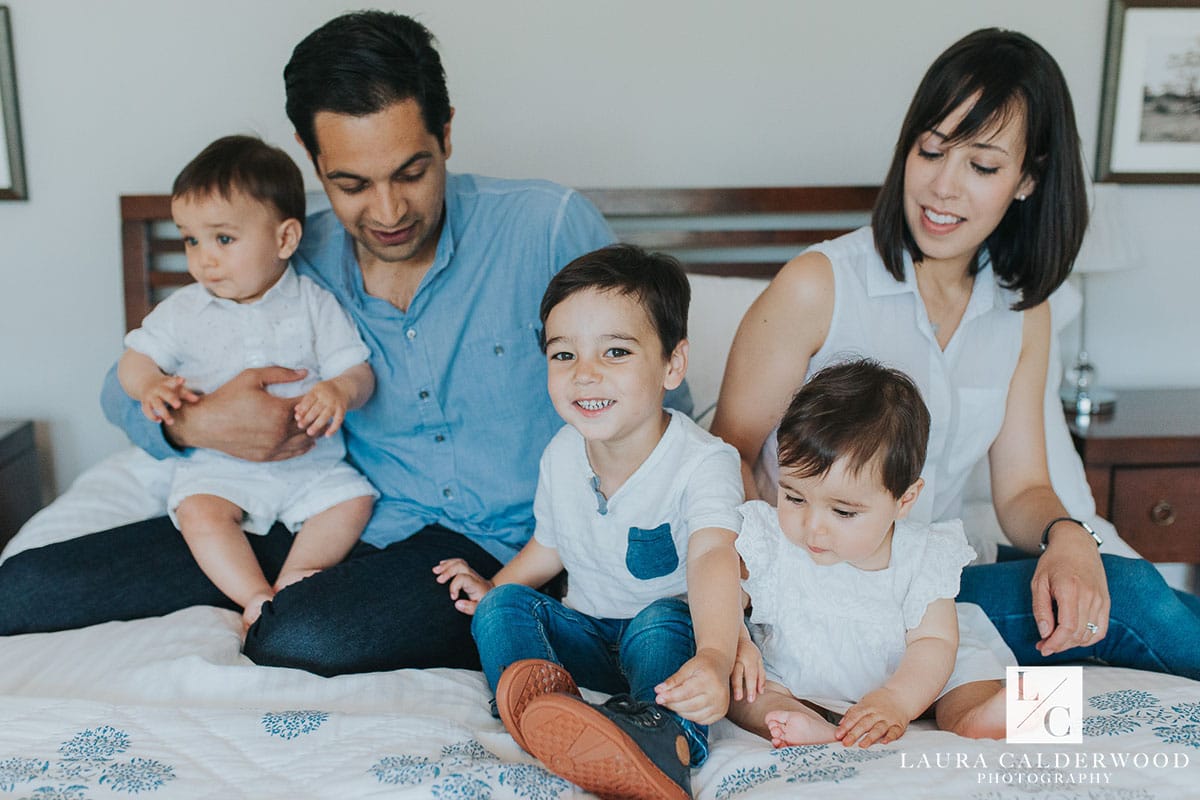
x=978 y=221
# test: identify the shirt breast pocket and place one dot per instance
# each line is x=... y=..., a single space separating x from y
x=651 y=553
x=516 y=373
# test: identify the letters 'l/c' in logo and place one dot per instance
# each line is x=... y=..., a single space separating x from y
x=1044 y=704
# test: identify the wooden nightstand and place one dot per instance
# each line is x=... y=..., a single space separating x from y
x=1143 y=465
x=20 y=477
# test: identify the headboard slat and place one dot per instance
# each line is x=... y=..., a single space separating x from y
x=740 y=231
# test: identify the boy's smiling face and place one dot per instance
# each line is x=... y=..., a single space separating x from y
x=607 y=371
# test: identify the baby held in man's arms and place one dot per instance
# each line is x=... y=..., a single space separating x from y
x=852 y=602
x=239 y=206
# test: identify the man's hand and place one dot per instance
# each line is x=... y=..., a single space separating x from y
x=1070 y=575
x=243 y=420
x=699 y=690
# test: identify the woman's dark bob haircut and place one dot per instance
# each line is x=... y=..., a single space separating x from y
x=1008 y=76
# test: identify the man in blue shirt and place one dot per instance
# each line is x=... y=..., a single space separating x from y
x=443 y=275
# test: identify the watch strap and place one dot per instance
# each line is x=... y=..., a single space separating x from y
x=1079 y=522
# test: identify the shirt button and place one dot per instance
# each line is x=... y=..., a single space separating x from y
x=424 y=395
x=411 y=333
x=499 y=350
x=439 y=438
x=447 y=492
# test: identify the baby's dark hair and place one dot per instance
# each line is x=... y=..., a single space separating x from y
x=655 y=280
x=249 y=165
x=861 y=411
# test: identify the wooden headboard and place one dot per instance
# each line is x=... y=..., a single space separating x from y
x=747 y=232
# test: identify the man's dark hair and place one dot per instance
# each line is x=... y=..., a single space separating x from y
x=1035 y=244
x=655 y=280
x=863 y=412
x=361 y=63
x=249 y=165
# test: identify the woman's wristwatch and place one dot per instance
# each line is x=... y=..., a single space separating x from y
x=1079 y=522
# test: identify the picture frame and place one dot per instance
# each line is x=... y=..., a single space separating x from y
x=12 y=158
x=1150 y=107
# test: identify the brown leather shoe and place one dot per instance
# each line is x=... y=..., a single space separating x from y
x=622 y=749
x=523 y=681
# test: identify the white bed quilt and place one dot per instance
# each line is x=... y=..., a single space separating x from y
x=168 y=707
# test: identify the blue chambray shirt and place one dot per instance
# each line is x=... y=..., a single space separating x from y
x=460 y=413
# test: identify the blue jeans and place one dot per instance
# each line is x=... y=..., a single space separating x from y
x=514 y=622
x=380 y=609
x=1151 y=626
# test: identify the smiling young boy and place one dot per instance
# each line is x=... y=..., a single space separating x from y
x=238 y=206
x=638 y=504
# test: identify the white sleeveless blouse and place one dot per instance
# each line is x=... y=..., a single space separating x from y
x=965 y=386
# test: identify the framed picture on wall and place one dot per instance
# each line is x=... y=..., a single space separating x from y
x=12 y=159
x=1150 y=111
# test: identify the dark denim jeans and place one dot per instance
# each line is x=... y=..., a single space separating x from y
x=634 y=655
x=380 y=609
x=1151 y=626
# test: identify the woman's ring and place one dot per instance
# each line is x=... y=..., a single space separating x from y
x=1092 y=628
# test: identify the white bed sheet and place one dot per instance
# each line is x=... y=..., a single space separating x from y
x=167 y=707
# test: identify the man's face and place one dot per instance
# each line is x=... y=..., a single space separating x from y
x=385 y=175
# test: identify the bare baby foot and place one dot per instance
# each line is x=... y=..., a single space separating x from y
x=984 y=721
x=798 y=727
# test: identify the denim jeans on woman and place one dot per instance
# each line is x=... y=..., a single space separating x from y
x=514 y=622
x=1151 y=626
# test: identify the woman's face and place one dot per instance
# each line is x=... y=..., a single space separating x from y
x=956 y=195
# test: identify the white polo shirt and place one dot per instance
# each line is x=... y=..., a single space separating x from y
x=626 y=551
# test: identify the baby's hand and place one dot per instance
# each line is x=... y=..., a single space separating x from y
x=699 y=690
x=171 y=392
x=749 y=679
x=463 y=580
x=323 y=407
x=878 y=717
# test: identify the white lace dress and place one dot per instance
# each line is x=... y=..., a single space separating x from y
x=831 y=634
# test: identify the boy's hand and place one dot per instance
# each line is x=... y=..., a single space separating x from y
x=878 y=717
x=169 y=393
x=749 y=678
x=699 y=690
x=463 y=580
x=322 y=408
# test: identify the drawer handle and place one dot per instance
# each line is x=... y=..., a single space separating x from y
x=1162 y=514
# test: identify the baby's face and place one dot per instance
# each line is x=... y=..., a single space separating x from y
x=236 y=247
x=607 y=372
x=840 y=516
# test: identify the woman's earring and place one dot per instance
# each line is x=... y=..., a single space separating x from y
x=1020 y=198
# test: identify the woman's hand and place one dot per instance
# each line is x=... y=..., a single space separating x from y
x=1070 y=575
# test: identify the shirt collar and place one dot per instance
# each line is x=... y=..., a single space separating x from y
x=986 y=293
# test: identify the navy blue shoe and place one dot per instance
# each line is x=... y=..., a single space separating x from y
x=620 y=749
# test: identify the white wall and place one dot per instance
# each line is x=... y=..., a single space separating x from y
x=116 y=97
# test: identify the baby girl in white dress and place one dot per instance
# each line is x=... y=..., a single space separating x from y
x=854 y=604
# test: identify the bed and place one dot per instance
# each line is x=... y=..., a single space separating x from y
x=168 y=707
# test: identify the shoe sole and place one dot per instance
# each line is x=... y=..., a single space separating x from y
x=577 y=742
x=524 y=681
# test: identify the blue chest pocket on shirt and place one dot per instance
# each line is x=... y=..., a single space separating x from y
x=651 y=553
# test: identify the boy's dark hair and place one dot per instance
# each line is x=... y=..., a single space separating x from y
x=245 y=164
x=1036 y=242
x=655 y=280
x=361 y=63
x=863 y=412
